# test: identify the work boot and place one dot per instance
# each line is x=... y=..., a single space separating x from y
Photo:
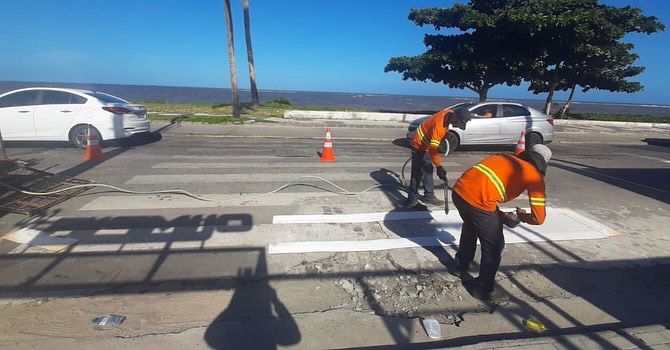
x=459 y=269
x=411 y=202
x=478 y=292
x=430 y=198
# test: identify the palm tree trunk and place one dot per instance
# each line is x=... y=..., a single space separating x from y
x=231 y=59
x=250 y=54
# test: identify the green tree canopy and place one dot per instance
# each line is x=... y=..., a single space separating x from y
x=475 y=59
x=553 y=44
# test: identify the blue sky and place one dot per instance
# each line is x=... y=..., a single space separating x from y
x=306 y=45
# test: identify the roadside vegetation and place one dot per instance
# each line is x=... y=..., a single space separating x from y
x=616 y=118
x=223 y=113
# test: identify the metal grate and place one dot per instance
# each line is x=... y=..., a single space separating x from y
x=33 y=180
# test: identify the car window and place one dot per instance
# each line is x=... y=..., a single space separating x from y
x=106 y=98
x=514 y=111
x=51 y=97
x=21 y=98
x=486 y=111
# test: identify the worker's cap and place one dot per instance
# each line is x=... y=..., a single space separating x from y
x=542 y=150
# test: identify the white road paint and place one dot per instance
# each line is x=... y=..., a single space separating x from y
x=250 y=165
x=561 y=224
x=174 y=201
x=40 y=239
x=663 y=160
x=255 y=178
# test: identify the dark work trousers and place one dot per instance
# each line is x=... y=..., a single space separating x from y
x=422 y=171
x=487 y=227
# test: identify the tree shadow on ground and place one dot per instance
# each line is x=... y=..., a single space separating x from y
x=651 y=182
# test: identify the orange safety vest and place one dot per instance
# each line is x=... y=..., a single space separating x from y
x=430 y=134
x=500 y=178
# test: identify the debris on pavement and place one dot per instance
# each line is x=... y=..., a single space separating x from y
x=108 y=321
x=535 y=326
x=432 y=328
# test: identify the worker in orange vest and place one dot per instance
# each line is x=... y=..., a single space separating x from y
x=498 y=178
x=425 y=152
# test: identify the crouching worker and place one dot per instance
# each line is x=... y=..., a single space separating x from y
x=498 y=178
x=425 y=152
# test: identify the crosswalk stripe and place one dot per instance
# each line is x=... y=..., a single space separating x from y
x=170 y=201
x=284 y=198
x=563 y=224
x=285 y=165
x=247 y=178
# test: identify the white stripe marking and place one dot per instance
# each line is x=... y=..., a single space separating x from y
x=561 y=224
x=40 y=239
x=249 y=178
x=227 y=165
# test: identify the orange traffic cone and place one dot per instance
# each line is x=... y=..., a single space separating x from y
x=521 y=144
x=327 y=155
x=93 y=150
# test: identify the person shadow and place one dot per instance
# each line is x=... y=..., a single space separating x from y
x=421 y=230
x=255 y=317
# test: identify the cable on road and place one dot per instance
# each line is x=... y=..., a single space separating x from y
x=339 y=189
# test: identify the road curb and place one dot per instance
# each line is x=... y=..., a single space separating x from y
x=184 y=134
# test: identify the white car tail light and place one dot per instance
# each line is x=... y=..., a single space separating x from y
x=117 y=110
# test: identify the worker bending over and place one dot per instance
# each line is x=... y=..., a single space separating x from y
x=498 y=178
x=428 y=137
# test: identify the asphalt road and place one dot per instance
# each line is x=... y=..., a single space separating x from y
x=199 y=271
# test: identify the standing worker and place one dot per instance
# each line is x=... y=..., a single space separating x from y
x=428 y=137
x=499 y=178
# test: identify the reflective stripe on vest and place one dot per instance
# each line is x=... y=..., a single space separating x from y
x=421 y=134
x=494 y=179
x=537 y=201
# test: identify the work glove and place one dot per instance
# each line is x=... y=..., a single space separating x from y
x=509 y=219
x=441 y=173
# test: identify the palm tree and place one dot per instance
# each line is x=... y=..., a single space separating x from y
x=231 y=59
x=250 y=54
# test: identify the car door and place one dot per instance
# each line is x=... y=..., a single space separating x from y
x=514 y=119
x=483 y=128
x=16 y=115
x=55 y=114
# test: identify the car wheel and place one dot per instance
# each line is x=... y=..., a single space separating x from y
x=78 y=136
x=533 y=139
x=450 y=144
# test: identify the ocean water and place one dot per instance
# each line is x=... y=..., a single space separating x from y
x=376 y=102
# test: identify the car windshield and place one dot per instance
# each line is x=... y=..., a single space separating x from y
x=106 y=98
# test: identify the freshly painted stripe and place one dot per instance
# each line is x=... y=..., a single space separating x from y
x=249 y=178
x=563 y=224
x=363 y=217
x=40 y=239
x=339 y=164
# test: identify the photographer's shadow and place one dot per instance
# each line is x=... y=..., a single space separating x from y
x=255 y=317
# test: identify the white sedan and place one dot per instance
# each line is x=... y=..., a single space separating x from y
x=495 y=123
x=55 y=114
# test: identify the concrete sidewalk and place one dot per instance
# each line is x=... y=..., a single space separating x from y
x=655 y=337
